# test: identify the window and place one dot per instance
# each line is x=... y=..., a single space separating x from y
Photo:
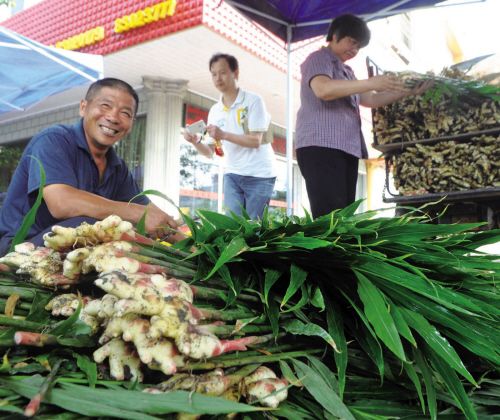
x=199 y=179
x=131 y=149
x=9 y=158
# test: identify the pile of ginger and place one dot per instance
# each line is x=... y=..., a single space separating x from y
x=144 y=318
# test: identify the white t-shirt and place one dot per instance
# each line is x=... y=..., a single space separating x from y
x=247 y=161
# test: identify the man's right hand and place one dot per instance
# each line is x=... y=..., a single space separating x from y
x=64 y=202
x=191 y=138
x=161 y=225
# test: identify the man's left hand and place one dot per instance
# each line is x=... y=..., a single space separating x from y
x=215 y=132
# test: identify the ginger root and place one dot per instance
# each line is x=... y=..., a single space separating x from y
x=106 y=257
x=120 y=355
x=158 y=354
x=112 y=228
x=263 y=385
x=43 y=265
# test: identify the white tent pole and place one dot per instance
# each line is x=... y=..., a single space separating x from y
x=11 y=105
x=289 y=124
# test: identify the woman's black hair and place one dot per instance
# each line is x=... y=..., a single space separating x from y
x=231 y=60
x=349 y=25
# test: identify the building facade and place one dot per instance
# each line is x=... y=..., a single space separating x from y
x=162 y=48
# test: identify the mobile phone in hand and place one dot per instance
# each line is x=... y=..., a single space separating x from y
x=198 y=127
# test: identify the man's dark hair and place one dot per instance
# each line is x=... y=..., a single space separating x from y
x=231 y=60
x=349 y=25
x=112 y=83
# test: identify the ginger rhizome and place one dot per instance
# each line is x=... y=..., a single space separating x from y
x=143 y=316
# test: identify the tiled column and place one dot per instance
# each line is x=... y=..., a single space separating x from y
x=162 y=152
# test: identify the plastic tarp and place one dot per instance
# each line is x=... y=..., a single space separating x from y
x=30 y=71
x=311 y=18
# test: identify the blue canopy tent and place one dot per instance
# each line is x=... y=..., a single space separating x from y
x=30 y=71
x=298 y=20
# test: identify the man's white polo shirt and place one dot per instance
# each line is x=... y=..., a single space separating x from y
x=248 y=161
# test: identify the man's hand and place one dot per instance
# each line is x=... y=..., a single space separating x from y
x=160 y=225
x=215 y=132
x=191 y=138
x=64 y=202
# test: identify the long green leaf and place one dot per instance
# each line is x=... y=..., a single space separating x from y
x=321 y=392
x=125 y=403
x=401 y=324
x=437 y=342
x=300 y=241
x=377 y=312
x=271 y=277
x=29 y=218
x=218 y=220
x=454 y=385
x=336 y=330
x=172 y=402
x=303 y=301
x=430 y=389
x=327 y=375
x=72 y=401
x=141 y=224
x=412 y=374
x=367 y=338
x=317 y=299
x=434 y=291
x=297 y=327
x=87 y=366
x=297 y=279
x=233 y=249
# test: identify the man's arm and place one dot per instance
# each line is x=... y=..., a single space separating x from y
x=258 y=121
x=201 y=148
x=252 y=139
x=64 y=202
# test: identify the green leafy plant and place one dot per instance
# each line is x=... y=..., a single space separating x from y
x=373 y=318
x=29 y=218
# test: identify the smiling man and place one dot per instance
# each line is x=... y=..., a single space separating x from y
x=329 y=141
x=85 y=179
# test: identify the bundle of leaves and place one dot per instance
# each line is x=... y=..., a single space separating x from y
x=453 y=86
x=409 y=308
x=374 y=318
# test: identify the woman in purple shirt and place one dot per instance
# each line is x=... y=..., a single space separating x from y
x=329 y=140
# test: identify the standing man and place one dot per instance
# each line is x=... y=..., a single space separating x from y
x=85 y=179
x=329 y=141
x=237 y=124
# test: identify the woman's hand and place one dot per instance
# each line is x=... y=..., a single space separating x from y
x=387 y=82
x=422 y=87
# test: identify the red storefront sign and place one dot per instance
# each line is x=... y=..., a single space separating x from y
x=194 y=114
x=104 y=26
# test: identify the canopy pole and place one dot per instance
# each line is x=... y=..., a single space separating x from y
x=289 y=124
